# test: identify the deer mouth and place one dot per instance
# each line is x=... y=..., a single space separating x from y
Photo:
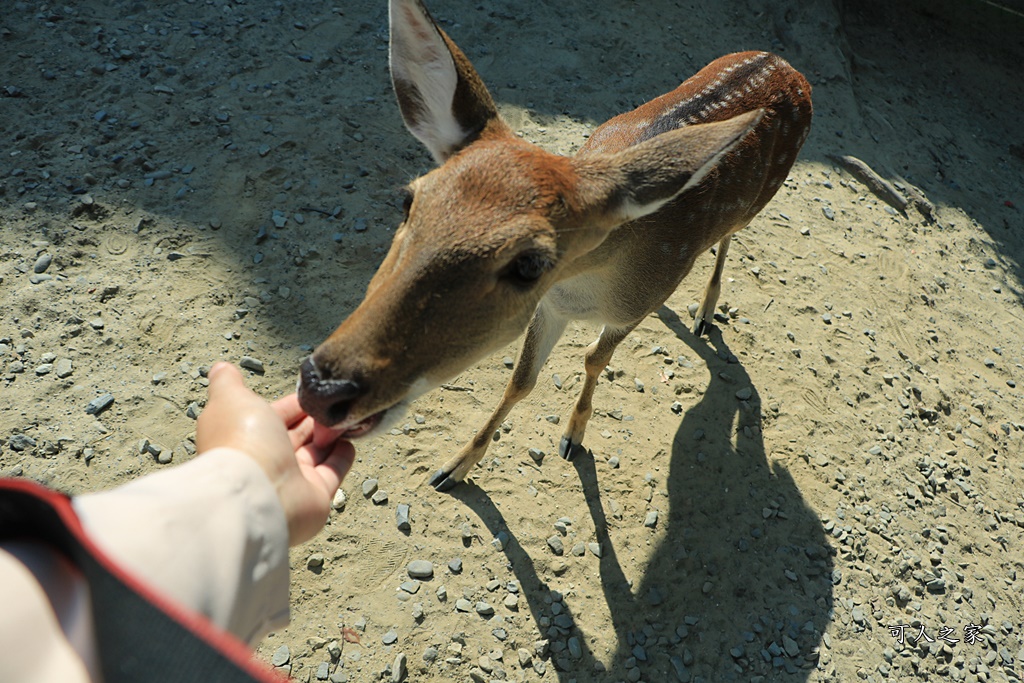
x=324 y=434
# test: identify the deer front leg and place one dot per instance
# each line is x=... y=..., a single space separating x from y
x=599 y=354
x=706 y=312
x=544 y=330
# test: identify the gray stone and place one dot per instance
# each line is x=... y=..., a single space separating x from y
x=402 y=517
x=556 y=545
x=21 y=442
x=281 y=656
x=99 y=404
x=323 y=671
x=62 y=368
x=390 y=638
x=484 y=609
x=42 y=263
x=250 y=363
x=420 y=569
x=651 y=520
x=369 y=487
x=398 y=669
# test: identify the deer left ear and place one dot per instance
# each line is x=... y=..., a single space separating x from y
x=619 y=187
x=444 y=102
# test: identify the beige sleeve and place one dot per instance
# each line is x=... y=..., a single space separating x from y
x=210 y=534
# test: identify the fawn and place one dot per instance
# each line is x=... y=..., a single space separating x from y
x=503 y=235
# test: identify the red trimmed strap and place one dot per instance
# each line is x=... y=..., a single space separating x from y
x=140 y=635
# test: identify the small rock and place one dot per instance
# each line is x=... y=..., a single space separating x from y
x=315 y=561
x=339 y=500
x=537 y=455
x=379 y=498
x=651 y=520
x=398 y=669
x=281 y=656
x=42 y=263
x=390 y=638
x=99 y=404
x=455 y=566
x=402 y=517
x=21 y=442
x=744 y=394
x=250 y=363
x=420 y=569
x=484 y=609
x=62 y=368
x=556 y=545
x=369 y=487
x=44 y=369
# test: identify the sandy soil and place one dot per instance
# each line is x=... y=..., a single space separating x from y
x=216 y=180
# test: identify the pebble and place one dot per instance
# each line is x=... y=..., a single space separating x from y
x=315 y=561
x=463 y=605
x=44 y=369
x=250 y=363
x=595 y=548
x=99 y=404
x=420 y=569
x=402 y=517
x=339 y=500
x=21 y=442
x=62 y=368
x=390 y=638
x=484 y=609
x=323 y=671
x=651 y=520
x=398 y=669
x=537 y=455
x=281 y=656
x=379 y=498
x=744 y=394
x=556 y=545
x=369 y=487
x=455 y=566
x=42 y=263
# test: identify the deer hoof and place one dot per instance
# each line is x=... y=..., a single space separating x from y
x=701 y=327
x=442 y=481
x=569 y=450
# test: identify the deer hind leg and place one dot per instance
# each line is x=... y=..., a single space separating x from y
x=599 y=354
x=706 y=312
x=544 y=330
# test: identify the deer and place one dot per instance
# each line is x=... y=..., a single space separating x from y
x=504 y=236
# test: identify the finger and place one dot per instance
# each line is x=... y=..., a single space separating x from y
x=224 y=379
x=301 y=432
x=288 y=408
x=336 y=466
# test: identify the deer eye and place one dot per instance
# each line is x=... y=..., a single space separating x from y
x=527 y=268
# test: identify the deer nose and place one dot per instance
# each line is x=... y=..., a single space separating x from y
x=326 y=399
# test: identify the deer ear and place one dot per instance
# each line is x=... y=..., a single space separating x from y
x=443 y=101
x=622 y=186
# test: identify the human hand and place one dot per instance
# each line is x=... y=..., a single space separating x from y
x=305 y=465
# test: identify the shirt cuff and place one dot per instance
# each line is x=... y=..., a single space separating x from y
x=210 y=533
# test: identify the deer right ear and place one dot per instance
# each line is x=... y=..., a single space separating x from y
x=443 y=100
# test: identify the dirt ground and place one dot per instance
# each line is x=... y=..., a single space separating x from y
x=836 y=472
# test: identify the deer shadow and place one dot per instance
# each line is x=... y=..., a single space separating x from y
x=740 y=583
